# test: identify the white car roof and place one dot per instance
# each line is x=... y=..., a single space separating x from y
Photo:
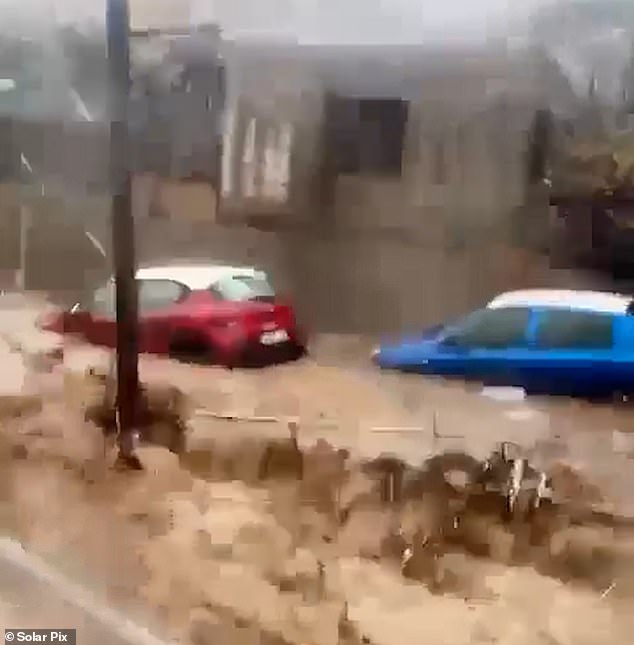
x=599 y=301
x=197 y=276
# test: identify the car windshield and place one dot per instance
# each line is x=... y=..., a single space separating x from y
x=242 y=288
x=490 y=328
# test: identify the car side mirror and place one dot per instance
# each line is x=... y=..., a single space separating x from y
x=80 y=308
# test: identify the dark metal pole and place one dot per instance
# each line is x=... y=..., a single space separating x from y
x=118 y=33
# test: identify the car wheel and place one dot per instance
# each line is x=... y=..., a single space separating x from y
x=191 y=349
x=298 y=352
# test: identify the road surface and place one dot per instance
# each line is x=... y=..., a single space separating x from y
x=35 y=596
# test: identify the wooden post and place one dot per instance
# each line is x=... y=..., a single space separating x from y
x=118 y=33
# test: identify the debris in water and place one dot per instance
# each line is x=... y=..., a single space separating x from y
x=608 y=590
x=504 y=394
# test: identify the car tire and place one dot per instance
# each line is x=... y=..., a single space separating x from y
x=299 y=352
x=191 y=349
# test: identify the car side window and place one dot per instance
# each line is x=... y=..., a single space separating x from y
x=566 y=329
x=159 y=294
x=104 y=301
x=491 y=329
x=240 y=288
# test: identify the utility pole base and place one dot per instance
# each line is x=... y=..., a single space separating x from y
x=125 y=463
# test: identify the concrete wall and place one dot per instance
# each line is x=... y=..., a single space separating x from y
x=389 y=253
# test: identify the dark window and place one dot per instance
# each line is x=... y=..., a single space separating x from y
x=342 y=134
x=491 y=329
x=539 y=146
x=10 y=164
x=366 y=135
x=159 y=294
x=567 y=329
x=153 y=295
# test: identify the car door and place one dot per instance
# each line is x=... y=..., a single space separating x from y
x=101 y=327
x=572 y=352
x=157 y=313
x=489 y=345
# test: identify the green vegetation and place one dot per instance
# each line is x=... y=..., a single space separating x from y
x=600 y=166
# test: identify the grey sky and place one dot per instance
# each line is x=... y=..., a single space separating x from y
x=336 y=21
x=368 y=20
x=316 y=20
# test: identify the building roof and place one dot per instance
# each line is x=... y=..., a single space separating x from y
x=598 y=301
x=198 y=276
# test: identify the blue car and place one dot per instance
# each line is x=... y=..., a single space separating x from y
x=562 y=342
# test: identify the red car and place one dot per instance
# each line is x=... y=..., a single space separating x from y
x=227 y=315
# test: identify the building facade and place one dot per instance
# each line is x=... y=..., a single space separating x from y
x=382 y=187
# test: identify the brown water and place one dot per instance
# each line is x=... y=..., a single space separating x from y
x=336 y=396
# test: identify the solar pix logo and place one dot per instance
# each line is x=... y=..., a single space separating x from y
x=39 y=636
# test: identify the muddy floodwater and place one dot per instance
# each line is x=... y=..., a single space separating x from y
x=338 y=394
x=207 y=551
